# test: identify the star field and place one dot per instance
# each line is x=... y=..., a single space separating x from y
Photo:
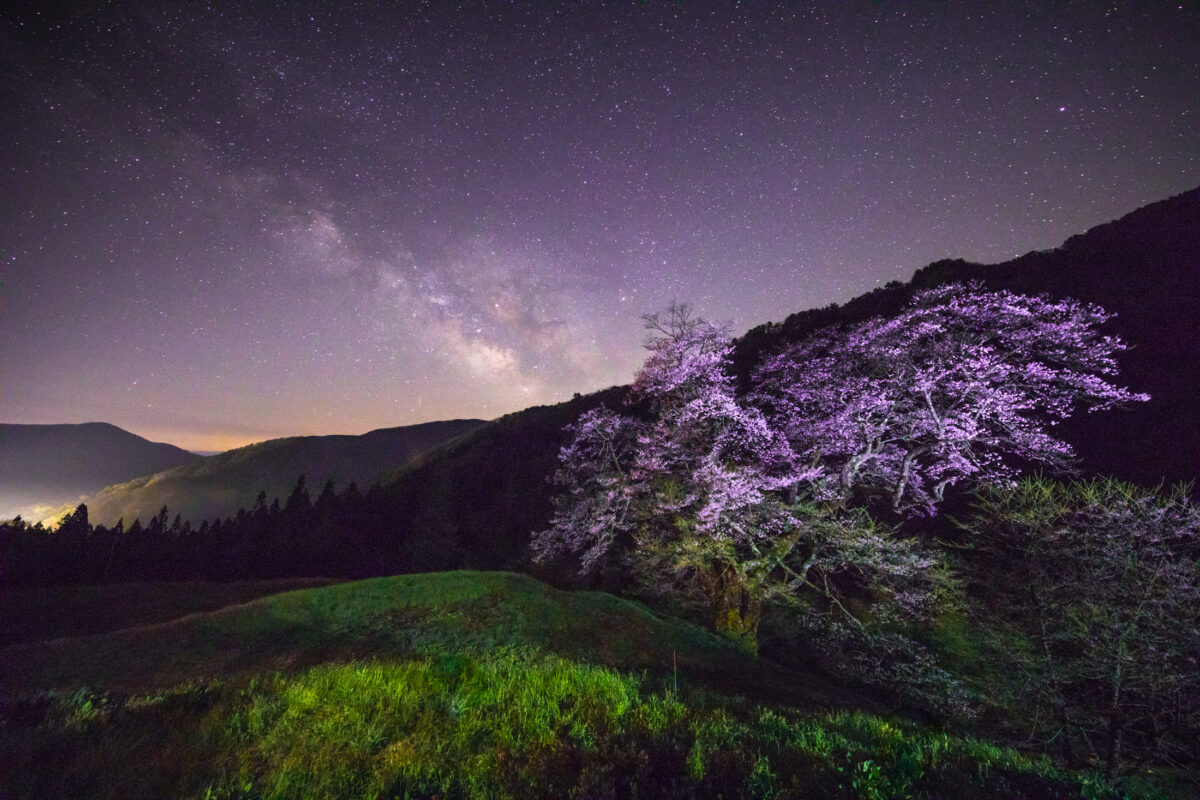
x=228 y=222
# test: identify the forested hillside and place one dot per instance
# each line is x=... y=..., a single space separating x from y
x=219 y=485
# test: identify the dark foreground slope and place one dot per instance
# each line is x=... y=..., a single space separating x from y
x=480 y=498
x=217 y=486
x=57 y=612
x=461 y=685
x=43 y=467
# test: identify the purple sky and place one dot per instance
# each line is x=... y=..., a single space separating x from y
x=228 y=223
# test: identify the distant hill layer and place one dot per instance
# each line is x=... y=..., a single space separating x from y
x=485 y=494
x=221 y=484
x=46 y=466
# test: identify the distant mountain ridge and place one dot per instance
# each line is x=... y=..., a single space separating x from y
x=43 y=467
x=218 y=485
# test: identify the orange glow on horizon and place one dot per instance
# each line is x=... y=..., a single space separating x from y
x=196 y=441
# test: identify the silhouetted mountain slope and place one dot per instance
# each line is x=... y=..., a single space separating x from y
x=1144 y=267
x=221 y=484
x=43 y=467
x=479 y=498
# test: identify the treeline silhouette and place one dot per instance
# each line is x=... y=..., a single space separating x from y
x=348 y=534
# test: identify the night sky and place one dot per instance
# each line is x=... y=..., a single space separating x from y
x=226 y=223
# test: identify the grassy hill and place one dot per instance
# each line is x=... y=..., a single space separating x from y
x=459 y=684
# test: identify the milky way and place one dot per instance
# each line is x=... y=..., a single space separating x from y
x=226 y=223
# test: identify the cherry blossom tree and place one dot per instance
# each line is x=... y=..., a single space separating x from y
x=948 y=390
x=736 y=502
x=702 y=495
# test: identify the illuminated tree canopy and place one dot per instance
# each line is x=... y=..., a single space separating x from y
x=747 y=499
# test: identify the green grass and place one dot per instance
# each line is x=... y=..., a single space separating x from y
x=519 y=724
x=471 y=685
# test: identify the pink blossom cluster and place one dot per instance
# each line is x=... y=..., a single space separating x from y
x=951 y=389
x=705 y=458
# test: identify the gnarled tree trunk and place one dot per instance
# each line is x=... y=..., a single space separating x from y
x=736 y=611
